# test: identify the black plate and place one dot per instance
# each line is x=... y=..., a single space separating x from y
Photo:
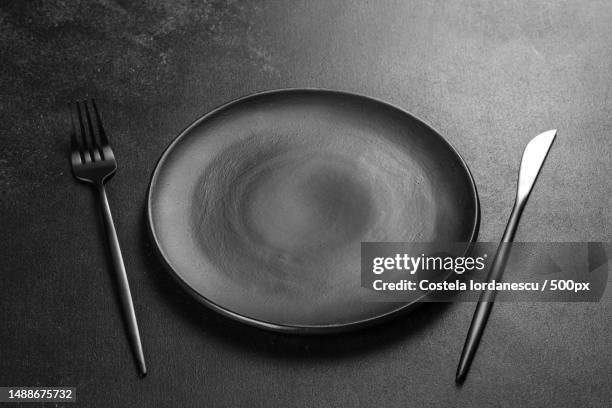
x=260 y=206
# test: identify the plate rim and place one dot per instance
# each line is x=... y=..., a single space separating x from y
x=263 y=324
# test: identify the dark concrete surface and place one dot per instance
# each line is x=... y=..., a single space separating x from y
x=488 y=75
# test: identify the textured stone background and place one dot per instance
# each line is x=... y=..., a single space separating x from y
x=487 y=75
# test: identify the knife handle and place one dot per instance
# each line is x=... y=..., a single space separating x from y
x=487 y=297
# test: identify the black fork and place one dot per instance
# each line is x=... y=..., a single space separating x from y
x=93 y=162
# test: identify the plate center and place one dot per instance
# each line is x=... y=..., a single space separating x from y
x=317 y=203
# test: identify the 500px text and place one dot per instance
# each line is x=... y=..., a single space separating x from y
x=425 y=285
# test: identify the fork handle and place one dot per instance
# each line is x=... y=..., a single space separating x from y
x=124 y=288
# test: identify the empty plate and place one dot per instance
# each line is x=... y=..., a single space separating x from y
x=260 y=206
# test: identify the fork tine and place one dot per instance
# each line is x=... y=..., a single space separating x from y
x=95 y=145
x=76 y=136
x=101 y=132
x=83 y=132
x=105 y=144
x=93 y=121
x=86 y=128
